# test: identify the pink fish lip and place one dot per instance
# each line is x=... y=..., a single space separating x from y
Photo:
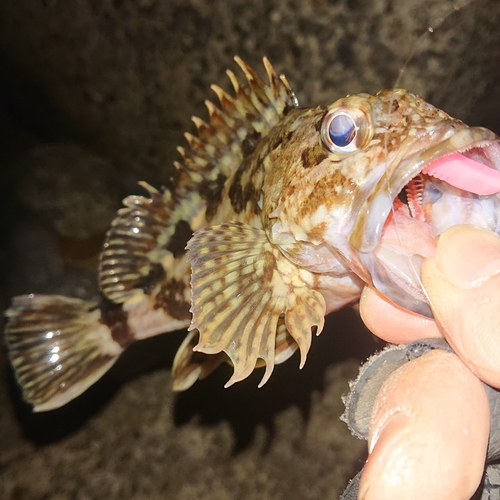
x=468 y=160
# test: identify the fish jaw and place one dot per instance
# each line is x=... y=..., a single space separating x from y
x=373 y=214
x=393 y=245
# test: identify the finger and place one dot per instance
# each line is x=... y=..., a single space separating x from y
x=393 y=323
x=463 y=285
x=429 y=432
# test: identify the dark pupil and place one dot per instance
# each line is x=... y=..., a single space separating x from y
x=342 y=130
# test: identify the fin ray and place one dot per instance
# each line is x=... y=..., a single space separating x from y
x=246 y=304
x=255 y=108
x=190 y=366
x=126 y=259
x=57 y=347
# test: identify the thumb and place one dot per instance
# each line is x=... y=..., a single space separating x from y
x=463 y=286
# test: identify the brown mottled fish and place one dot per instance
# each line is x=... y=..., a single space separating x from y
x=293 y=210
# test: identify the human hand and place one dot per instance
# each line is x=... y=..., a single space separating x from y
x=430 y=426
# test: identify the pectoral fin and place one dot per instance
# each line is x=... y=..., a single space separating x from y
x=241 y=286
x=190 y=366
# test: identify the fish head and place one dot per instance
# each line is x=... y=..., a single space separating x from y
x=339 y=198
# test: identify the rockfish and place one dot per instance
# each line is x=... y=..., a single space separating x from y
x=278 y=216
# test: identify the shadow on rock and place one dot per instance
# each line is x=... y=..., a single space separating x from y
x=243 y=406
x=246 y=407
x=47 y=427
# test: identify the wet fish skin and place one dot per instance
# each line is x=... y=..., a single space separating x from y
x=286 y=213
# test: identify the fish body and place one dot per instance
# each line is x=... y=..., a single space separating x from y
x=286 y=213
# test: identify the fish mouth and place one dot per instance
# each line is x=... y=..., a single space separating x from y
x=469 y=160
x=456 y=181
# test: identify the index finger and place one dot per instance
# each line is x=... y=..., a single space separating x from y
x=463 y=285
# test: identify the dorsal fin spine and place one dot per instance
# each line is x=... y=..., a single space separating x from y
x=254 y=81
x=142 y=229
x=204 y=129
x=225 y=100
x=255 y=108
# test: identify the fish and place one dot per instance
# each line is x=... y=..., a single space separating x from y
x=278 y=216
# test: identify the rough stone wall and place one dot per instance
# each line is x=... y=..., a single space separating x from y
x=123 y=77
x=95 y=95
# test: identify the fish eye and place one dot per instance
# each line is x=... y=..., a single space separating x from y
x=344 y=130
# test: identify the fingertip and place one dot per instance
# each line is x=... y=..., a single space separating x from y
x=429 y=432
x=468 y=255
x=462 y=284
x=392 y=323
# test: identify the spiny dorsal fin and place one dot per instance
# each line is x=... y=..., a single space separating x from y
x=222 y=142
x=241 y=286
x=141 y=233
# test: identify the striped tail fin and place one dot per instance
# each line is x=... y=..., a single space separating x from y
x=58 y=347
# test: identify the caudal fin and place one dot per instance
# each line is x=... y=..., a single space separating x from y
x=58 y=347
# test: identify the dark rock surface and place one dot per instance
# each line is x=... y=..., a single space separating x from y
x=114 y=82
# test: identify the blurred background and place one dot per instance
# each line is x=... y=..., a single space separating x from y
x=94 y=96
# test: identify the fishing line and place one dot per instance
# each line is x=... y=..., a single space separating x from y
x=455 y=7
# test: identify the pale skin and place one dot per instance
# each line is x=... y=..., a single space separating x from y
x=430 y=426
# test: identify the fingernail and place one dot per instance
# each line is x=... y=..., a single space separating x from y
x=468 y=255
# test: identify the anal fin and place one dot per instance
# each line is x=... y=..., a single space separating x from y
x=58 y=347
x=190 y=366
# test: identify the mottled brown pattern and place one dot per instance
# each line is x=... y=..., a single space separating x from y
x=171 y=299
x=312 y=157
x=155 y=275
x=400 y=112
x=306 y=159
x=249 y=143
x=333 y=190
x=115 y=318
x=237 y=193
x=211 y=192
x=318 y=123
x=269 y=267
x=178 y=241
x=280 y=139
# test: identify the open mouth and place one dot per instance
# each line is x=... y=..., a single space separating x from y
x=472 y=171
x=442 y=187
x=467 y=161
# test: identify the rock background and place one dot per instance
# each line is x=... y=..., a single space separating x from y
x=95 y=95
